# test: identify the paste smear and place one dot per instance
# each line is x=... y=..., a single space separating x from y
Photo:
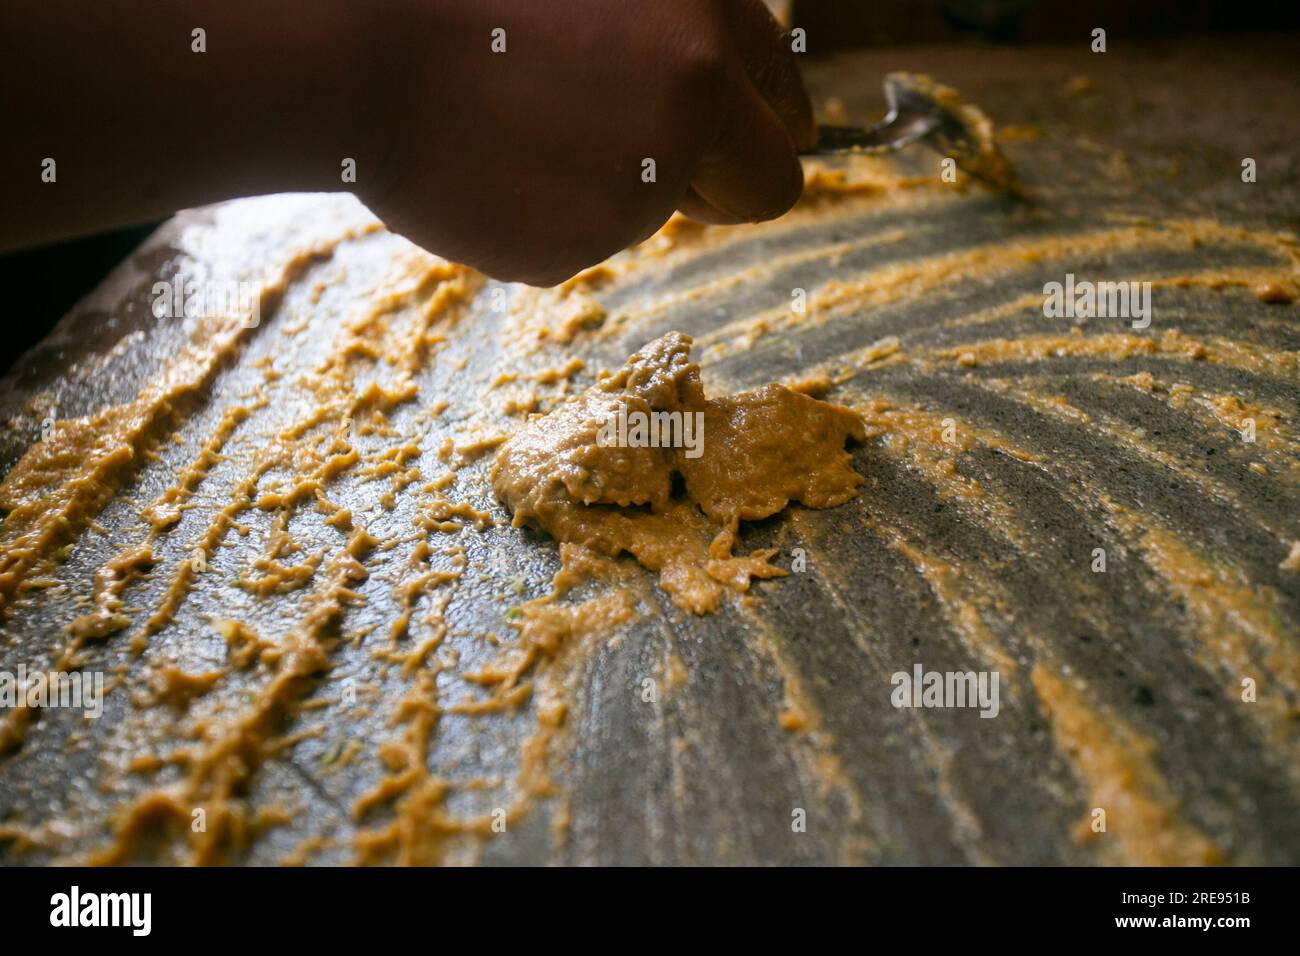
x=677 y=512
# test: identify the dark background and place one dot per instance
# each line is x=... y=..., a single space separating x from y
x=844 y=24
x=45 y=283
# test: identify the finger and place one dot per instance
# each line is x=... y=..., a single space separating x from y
x=764 y=48
x=751 y=172
x=699 y=209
